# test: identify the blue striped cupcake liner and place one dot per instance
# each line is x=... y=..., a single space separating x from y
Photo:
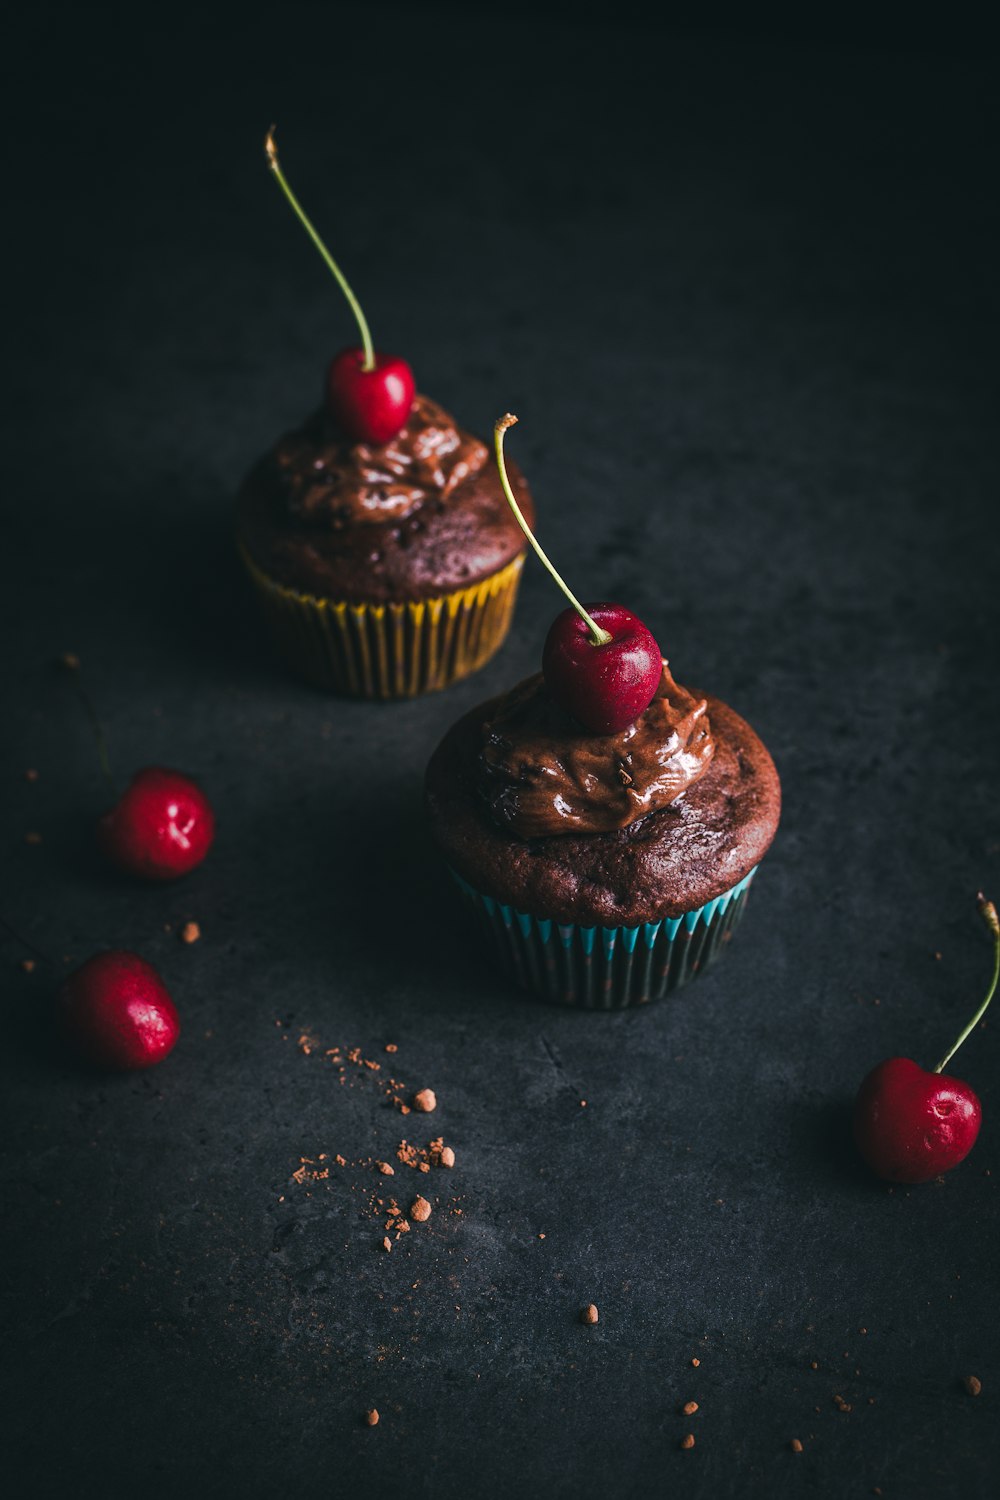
x=607 y=968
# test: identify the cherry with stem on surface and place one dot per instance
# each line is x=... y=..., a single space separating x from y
x=911 y=1125
x=162 y=826
x=600 y=662
x=368 y=394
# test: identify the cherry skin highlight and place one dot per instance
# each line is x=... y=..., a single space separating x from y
x=910 y=1125
x=161 y=828
x=116 y=1012
x=605 y=687
x=370 y=406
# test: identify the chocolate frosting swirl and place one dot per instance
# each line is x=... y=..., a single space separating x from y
x=541 y=773
x=329 y=481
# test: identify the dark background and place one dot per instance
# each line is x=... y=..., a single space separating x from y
x=741 y=288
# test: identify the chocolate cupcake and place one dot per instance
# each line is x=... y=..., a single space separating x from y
x=607 y=870
x=603 y=823
x=384 y=570
x=377 y=535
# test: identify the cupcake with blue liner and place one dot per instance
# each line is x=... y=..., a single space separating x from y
x=603 y=823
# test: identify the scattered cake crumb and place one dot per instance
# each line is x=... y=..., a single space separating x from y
x=446 y=1157
x=695 y=1363
x=795 y=1445
x=386 y=1243
x=190 y=932
x=371 y=1417
x=391 y=1047
x=689 y=1408
x=385 y=1169
x=590 y=1315
x=973 y=1384
x=688 y=1440
x=425 y=1100
x=420 y=1210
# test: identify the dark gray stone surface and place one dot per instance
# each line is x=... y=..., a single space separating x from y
x=744 y=301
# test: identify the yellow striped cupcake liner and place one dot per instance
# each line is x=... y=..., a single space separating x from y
x=390 y=650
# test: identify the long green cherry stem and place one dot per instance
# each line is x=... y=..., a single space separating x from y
x=599 y=637
x=989 y=915
x=272 y=156
x=72 y=665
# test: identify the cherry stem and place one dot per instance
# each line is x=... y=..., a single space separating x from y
x=599 y=637
x=20 y=938
x=989 y=915
x=72 y=664
x=366 y=338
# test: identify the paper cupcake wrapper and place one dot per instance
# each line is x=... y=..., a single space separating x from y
x=390 y=650
x=607 y=968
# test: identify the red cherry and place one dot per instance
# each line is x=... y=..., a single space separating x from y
x=370 y=406
x=161 y=828
x=911 y=1125
x=115 y=1010
x=606 y=687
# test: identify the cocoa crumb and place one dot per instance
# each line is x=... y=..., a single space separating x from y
x=589 y=1315
x=425 y=1101
x=371 y=1417
x=423 y=1167
x=28 y=965
x=420 y=1210
x=541 y=1236
x=689 y=1408
x=190 y=932
x=688 y=1441
x=695 y=1363
x=795 y=1445
x=391 y=1047
x=386 y=1243
x=341 y=1161
x=446 y=1157
x=973 y=1385
x=385 y=1169
x=402 y=1227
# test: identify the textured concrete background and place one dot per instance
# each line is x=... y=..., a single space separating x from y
x=743 y=298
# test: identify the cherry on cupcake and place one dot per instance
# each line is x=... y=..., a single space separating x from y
x=116 y=1012
x=163 y=825
x=600 y=662
x=368 y=394
x=911 y=1124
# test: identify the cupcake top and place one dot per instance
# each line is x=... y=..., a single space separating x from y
x=421 y=515
x=607 y=830
x=540 y=773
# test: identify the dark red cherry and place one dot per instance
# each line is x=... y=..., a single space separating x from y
x=911 y=1125
x=370 y=406
x=606 y=687
x=116 y=1012
x=161 y=828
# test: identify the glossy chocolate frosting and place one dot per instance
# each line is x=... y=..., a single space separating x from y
x=661 y=865
x=416 y=518
x=541 y=773
x=327 y=478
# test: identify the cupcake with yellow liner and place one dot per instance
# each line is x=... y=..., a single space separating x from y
x=603 y=823
x=377 y=534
